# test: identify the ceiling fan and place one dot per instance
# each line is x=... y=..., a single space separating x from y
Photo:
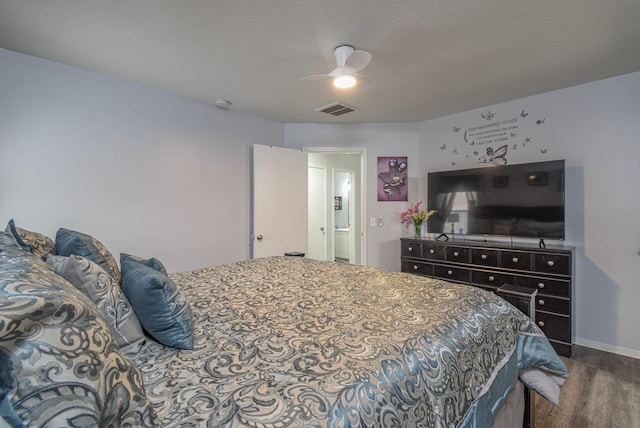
x=349 y=63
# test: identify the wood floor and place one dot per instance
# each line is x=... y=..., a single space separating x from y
x=603 y=390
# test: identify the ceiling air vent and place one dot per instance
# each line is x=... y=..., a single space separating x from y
x=336 y=109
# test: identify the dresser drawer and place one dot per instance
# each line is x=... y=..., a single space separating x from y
x=433 y=251
x=553 y=304
x=515 y=260
x=451 y=273
x=482 y=277
x=416 y=267
x=411 y=249
x=457 y=254
x=554 y=326
x=552 y=263
x=484 y=257
x=555 y=287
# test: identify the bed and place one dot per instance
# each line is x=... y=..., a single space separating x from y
x=283 y=342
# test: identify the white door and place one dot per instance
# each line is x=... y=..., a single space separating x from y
x=279 y=185
x=317 y=228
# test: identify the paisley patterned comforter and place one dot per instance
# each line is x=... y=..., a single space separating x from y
x=292 y=342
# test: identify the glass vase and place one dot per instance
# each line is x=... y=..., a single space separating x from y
x=418 y=230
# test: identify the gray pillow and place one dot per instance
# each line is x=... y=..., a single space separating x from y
x=102 y=289
x=70 y=242
x=162 y=310
x=59 y=363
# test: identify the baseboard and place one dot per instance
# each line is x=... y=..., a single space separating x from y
x=633 y=353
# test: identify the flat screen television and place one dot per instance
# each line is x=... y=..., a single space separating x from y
x=523 y=200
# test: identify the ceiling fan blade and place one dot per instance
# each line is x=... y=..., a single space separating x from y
x=315 y=77
x=338 y=71
x=348 y=62
x=358 y=60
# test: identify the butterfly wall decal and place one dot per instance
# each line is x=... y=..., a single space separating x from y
x=497 y=157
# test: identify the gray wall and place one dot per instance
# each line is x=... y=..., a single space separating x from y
x=595 y=127
x=159 y=175
x=144 y=171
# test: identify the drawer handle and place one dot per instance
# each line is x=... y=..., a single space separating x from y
x=410 y=249
x=455 y=254
x=415 y=267
x=483 y=257
x=450 y=272
x=541 y=302
x=551 y=263
x=431 y=251
x=492 y=278
x=541 y=285
x=515 y=260
x=541 y=323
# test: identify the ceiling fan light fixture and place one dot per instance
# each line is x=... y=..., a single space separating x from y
x=345 y=81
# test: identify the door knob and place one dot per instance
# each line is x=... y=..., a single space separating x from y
x=322 y=228
x=259 y=238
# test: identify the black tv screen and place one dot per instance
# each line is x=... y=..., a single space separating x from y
x=524 y=200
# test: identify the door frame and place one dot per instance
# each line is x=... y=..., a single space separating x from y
x=362 y=151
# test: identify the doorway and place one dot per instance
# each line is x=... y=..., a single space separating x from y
x=343 y=230
x=344 y=202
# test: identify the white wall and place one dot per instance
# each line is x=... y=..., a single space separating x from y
x=390 y=139
x=596 y=128
x=144 y=171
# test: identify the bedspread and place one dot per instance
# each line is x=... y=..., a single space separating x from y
x=288 y=341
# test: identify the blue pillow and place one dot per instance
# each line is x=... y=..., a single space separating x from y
x=7 y=383
x=70 y=242
x=152 y=262
x=161 y=309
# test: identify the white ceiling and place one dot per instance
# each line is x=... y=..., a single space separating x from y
x=430 y=57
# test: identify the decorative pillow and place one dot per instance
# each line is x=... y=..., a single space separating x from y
x=153 y=263
x=38 y=244
x=102 y=289
x=70 y=242
x=7 y=240
x=7 y=383
x=161 y=309
x=61 y=365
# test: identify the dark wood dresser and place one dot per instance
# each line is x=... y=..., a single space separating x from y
x=492 y=265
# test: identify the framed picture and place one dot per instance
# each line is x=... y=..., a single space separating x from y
x=501 y=181
x=392 y=179
x=337 y=202
x=538 y=178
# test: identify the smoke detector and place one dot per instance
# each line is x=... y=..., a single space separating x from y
x=222 y=104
